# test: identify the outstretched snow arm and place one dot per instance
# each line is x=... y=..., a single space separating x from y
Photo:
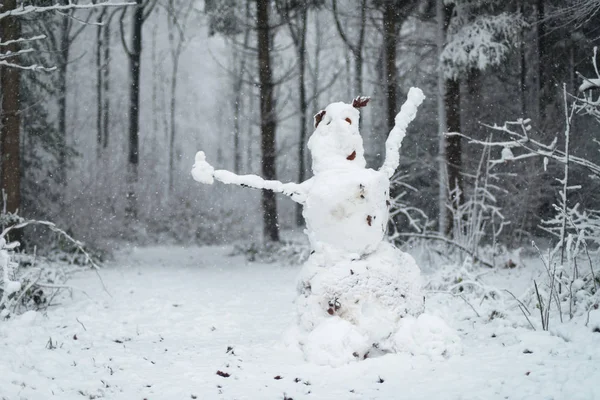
x=203 y=172
x=407 y=113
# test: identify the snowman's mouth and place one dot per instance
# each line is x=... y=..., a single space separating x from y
x=351 y=156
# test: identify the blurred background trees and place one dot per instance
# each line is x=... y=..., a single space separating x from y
x=103 y=143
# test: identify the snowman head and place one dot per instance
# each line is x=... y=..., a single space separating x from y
x=336 y=142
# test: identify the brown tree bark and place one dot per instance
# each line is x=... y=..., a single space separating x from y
x=134 y=88
x=389 y=42
x=10 y=82
x=141 y=12
x=453 y=145
x=453 y=149
x=238 y=94
x=297 y=26
x=102 y=80
x=523 y=64
x=106 y=84
x=61 y=89
x=99 y=93
x=355 y=48
x=268 y=123
x=542 y=55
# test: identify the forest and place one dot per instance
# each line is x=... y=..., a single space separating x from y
x=105 y=104
x=113 y=103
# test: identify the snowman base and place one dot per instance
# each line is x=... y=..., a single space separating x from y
x=351 y=309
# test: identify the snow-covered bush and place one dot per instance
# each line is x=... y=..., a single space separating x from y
x=479 y=217
x=404 y=216
x=30 y=281
x=477 y=222
x=10 y=284
x=569 y=285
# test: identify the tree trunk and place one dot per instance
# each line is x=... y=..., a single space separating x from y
x=267 y=119
x=155 y=82
x=237 y=113
x=355 y=48
x=472 y=109
x=442 y=129
x=238 y=85
x=389 y=43
x=303 y=104
x=358 y=67
x=62 y=100
x=453 y=149
x=10 y=81
x=106 y=84
x=99 y=98
x=172 y=126
x=134 y=109
x=358 y=54
x=523 y=64
x=542 y=69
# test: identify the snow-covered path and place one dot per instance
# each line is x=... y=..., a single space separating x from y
x=174 y=313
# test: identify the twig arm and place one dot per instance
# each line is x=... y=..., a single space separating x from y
x=203 y=172
x=407 y=114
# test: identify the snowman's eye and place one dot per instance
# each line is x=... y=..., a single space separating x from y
x=348 y=120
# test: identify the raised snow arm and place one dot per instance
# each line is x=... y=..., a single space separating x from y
x=203 y=172
x=407 y=113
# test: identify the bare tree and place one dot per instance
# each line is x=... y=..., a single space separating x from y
x=390 y=35
x=103 y=35
x=239 y=79
x=441 y=111
x=225 y=20
x=394 y=14
x=177 y=19
x=296 y=18
x=134 y=51
x=355 y=46
x=11 y=121
x=453 y=145
x=268 y=122
x=66 y=36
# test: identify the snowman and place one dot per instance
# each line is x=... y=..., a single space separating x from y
x=356 y=292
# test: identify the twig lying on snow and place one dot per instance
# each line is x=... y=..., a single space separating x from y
x=84 y=328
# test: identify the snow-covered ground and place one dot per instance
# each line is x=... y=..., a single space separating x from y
x=179 y=316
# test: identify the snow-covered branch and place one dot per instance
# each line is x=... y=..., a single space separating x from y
x=4 y=56
x=21 y=40
x=16 y=283
x=29 y=9
x=480 y=43
x=519 y=138
x=23 y=10
x=33 y=67
x=52 y=226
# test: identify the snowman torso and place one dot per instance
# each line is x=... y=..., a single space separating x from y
x=347 y=209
